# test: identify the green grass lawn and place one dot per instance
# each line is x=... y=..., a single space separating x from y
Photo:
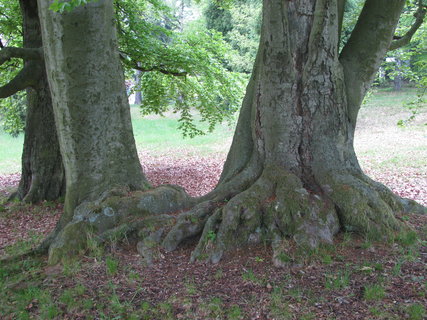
x=386 y=97
x=160 y=135
x=10 y=152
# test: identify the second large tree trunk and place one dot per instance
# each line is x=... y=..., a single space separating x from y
x=42 y=176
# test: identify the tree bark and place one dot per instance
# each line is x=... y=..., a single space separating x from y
x=42 y=175
x=91 y=113
x=397 y=81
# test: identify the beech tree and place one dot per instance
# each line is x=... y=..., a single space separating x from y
x=291 y=171
x=42 y=175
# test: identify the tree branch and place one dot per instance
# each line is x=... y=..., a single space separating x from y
x=341 y=9
x=27 y=77
x=164 y=71
x=406 y=39
x=366 y=48
x=26 y=54
x=136 y=66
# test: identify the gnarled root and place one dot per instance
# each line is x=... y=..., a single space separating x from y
x=276 y=206
x=271 y=206
x=363 y=205
x=117 y=214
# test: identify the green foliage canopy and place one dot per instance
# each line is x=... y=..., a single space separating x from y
x=12 y=109
x=183 y=70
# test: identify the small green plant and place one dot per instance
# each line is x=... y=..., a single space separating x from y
x=218 y=274
x=79 y=290
x=134 y=276
x=278 y=307
x=71 y=267
x=405 y=218
x=116 y=305
x=191 y=288
x=308 y=316
x=50 y=311
x=339 y=280
x=258 y=259
x=234 y=313
x=211 y=236
x=407 y=238
x=380 y=314
x=68 y=299
x=416 y=311
x=284 y=257
x=326 y=259
x=397 y=268
x=94 y=247
x=366 y=244
x=374 y=292
x=250 y=276
x=166 y=310
x=111 y=265
x=87 y=304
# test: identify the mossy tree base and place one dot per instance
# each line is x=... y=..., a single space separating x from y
x=115 y=215
x=277 y=207
x=274 y=209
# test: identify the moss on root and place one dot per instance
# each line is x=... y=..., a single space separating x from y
x=361 y=208
x=117 y=214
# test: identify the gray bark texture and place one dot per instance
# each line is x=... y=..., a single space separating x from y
x=42 y=175
x=90 y=106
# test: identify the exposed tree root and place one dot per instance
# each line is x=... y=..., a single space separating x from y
x=272 y=207
x=277 y=207
x=117 y=214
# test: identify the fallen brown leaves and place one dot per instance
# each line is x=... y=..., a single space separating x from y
x=197 y=174
x=246 y=280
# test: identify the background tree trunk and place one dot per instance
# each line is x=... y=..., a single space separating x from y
x=42 y=176
x=138 y=95
x=397 y=81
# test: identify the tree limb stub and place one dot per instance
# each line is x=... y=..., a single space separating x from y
x=406 y=39
x=27 y=77
x=26 y=54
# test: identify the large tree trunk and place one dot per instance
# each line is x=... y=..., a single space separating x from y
x=42 y=176
x=91 y=112
x=292 y=170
